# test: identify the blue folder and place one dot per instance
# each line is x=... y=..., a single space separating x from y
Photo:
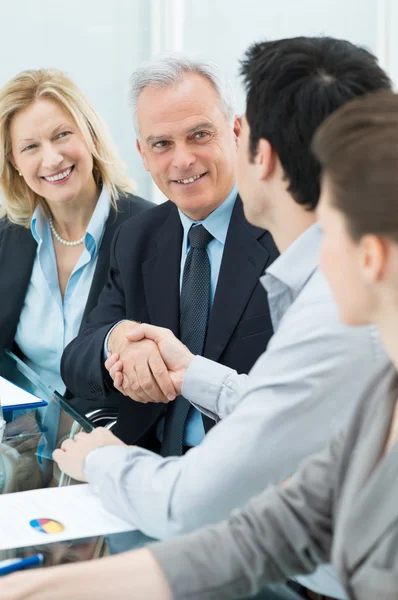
x=14 y=407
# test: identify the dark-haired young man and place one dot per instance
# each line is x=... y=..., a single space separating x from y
x=307 y=383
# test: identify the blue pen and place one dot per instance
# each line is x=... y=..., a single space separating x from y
x=17 y=564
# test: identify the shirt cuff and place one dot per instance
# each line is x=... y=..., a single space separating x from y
x=203 y=383
x=100 y=460
x=106 y=351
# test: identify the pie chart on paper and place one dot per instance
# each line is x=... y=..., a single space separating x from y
x=47 y=526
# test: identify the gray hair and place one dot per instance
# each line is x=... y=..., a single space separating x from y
x=168 y=69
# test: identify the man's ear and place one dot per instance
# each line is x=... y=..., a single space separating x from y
x=237 y=127
x=265 y=159
x=143 y=156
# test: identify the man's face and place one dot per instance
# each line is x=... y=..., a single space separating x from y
x=250 y=190
x=187 y=144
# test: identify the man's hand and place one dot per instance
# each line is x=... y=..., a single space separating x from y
x=137 y=368
x=175 y=355
x=70 y=458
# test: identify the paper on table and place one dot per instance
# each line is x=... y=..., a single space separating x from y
x=76 y=507
x=12 y=395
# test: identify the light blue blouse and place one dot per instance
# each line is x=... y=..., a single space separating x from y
x=47 y=323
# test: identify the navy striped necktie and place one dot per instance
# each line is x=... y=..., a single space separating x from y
x=195 y=305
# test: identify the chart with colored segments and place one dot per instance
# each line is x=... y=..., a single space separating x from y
x=47 y=525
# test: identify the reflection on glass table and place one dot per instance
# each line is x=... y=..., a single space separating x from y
x=60 y=553
x=2 y=423
x=29 y=439
x=31 y=434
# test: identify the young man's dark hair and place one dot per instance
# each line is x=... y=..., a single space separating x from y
x=292 y=86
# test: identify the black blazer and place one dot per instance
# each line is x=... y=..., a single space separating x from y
x=144 y=285
x=17 y=255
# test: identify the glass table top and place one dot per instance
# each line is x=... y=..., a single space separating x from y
x=29 y=438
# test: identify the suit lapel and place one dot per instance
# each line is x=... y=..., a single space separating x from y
x=19 y=249
x=161 y=275
x=244 y=260
x=101 y=271
x=17 y=255
x=373 y=484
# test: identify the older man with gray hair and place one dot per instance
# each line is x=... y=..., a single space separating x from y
x=307 y=383
x=192 y=265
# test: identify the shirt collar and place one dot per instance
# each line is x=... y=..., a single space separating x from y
x=95 y=228
x=217 y=222
x=38 y=224
x=295 y=266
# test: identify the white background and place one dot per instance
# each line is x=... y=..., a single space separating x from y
x=100 y=42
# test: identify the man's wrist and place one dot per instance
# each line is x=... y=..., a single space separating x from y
x=178 y=380
x=179 y=376
x=87 y=458
x=117 y=339
x=102 y=460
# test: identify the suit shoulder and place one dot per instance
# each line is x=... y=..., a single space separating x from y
x=8 y=229
x=133 y=204
x=4 y=225
x=148 y=220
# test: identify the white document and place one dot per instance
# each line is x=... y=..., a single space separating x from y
x=76 y=508
x=11 y=395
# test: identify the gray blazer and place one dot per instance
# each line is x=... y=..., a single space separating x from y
x=341 y=506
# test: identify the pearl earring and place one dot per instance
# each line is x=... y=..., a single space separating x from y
x=20 y=174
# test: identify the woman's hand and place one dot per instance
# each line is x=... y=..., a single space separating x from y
x=134 y=574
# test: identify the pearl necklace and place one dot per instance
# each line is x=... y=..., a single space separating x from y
x=60 y=239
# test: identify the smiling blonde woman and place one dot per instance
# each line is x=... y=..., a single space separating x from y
x=65 y=191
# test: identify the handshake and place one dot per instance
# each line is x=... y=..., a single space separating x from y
x=146 y=363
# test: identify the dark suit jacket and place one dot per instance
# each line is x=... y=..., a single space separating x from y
x=17 y=255
x=144 y=285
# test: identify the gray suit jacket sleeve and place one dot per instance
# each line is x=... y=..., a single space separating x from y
x=284 y=531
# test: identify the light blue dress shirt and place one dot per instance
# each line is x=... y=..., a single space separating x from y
x=217 y=224
x=47 y=323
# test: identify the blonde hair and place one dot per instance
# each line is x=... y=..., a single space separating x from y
x=19 y=201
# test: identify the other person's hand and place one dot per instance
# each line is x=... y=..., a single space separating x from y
x=23 y=425
x=175 y=355
x=134 y=574
x=73 y=452
x=137 y=368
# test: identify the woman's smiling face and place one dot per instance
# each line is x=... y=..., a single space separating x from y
x=50 y=152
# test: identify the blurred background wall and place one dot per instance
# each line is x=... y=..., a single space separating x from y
x=99 y=42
